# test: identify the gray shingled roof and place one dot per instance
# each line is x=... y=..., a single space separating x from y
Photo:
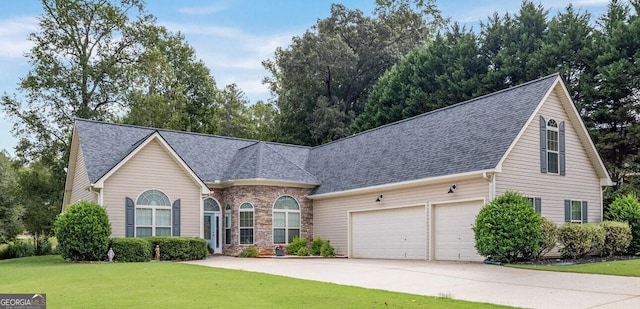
x=211 y=158
x=466 y=137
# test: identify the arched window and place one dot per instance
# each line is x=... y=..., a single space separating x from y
x=211 y=205
x=227 y=224
x=552 y=147
x=246 y=223
x=153 y=214
x=286 y=220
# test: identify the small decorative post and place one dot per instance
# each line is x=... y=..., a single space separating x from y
x=111 y=254
x=157 y=253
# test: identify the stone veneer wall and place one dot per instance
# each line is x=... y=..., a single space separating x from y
x=262 y=198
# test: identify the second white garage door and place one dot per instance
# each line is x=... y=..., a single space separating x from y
x=398 y=233
x=453 y=239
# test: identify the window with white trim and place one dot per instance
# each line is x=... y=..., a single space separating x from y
x=211 y=205
x=553 y=148
x=227 y=224
x=153 y=214
x=246 y=217
x=576 y=211
x=286 y=220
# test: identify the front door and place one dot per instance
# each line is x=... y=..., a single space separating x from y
x=211 y=226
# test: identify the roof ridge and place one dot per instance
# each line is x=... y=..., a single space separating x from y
x=187 y=132
x=294 y=164
x=442 y=109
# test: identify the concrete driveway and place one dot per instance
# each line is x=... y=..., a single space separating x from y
x=468 y=281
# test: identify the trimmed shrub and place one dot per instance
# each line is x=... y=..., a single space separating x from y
x=17 y=249
x=507 y=228
x=327 y=249
x=249 y=252
x=617 y=237
x=303 y=252
x=316 y=245
x=626 y=208
x=548 y=236
x=176 y=248
x=44 y=247
x=83 y=232
x=296 y=244
x=131 y=249
x=578 y=240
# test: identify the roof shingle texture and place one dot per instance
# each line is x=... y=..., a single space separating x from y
x=466 y=137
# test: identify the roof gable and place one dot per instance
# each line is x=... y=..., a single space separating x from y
x=462 y=138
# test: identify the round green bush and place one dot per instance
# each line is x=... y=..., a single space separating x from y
x=617 y=237
x=327 y=250
x=507 y=228
x=548 y=236
x=626 y=208
x=83 y=232
x=249 y=252
x=579 y=240
x=303 y=252
x=316 y=245
x=296 y=244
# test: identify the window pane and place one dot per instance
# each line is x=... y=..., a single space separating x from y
x=153 y=198
x=211 y=205
x=530 y=200
x=286 y=202
x=246 y=219
x=278 y=219
x=227 y=236
x=143 y=216
x=246 y=206
x=143 y=231
x=552 y=162
x=246 y=236
x=294 y=219
x=293 y=233
x=163 y=231
x=163 y=217
x=576 y=211
x=552 y=140
x=278 y=236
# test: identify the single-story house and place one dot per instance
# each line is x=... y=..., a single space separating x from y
x=406 y=190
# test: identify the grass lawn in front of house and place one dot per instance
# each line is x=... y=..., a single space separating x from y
x=629 y=268
x=178 y=285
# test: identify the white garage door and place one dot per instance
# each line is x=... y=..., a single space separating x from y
x=399 y=233
x=453 y=235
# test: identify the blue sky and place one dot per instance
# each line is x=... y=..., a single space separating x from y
x=232 y=37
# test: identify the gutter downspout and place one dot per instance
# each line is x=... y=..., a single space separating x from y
x=491 y=178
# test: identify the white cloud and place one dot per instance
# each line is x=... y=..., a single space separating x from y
x=13 y=36
x=202 y=10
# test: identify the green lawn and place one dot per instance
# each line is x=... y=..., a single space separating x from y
x=176 y=285
x=629 y=268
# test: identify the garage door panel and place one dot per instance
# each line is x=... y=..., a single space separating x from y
x=398 y=233
x=453 y=236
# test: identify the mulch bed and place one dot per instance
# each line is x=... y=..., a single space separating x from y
x=589 y=259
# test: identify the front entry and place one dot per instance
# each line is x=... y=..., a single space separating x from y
x=211 y=233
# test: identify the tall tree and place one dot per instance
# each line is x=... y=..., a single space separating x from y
x=262 y=121
x=330 y=69
x=78 y=59
x=234 y=114
x=447 y=71
x=10 y=208
x=172 y=89
x=614 y=105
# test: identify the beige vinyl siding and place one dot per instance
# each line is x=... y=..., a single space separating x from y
x=330 y=216
x=152 y=168
x=80 y=190
x=521 y=169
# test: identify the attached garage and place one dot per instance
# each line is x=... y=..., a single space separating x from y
x=395 y=233
x=453 y=237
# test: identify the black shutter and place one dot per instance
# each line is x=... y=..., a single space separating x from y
x=537 y=203
x=567 y=211
x=543 y=145
x=130 y=215
x=563 y=168
x=585 y=213
x=175 y=218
